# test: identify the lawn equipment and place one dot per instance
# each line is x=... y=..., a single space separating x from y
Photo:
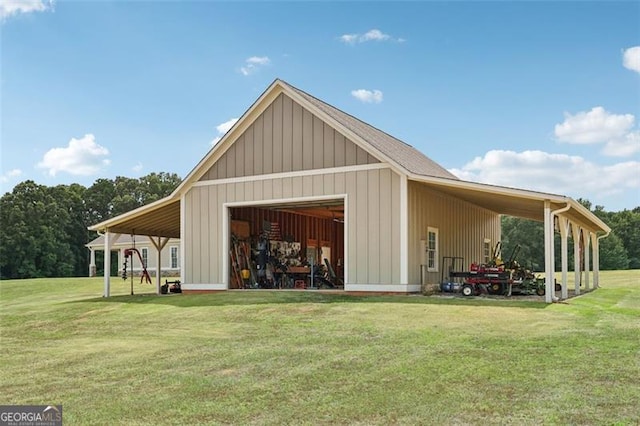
x=498 y=277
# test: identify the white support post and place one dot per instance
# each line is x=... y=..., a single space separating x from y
x=183 y=234
x=576 y=232
x=587 y=239
x=596 y=260
x=548 y=252
x=92 y=262
x=109 y=240
x=564 y=234
x=107 y=264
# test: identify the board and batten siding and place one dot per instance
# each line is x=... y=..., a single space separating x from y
x=462 y=229
x=372 y=221
x=287 y=137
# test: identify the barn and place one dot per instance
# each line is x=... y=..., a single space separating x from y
x=326 y=190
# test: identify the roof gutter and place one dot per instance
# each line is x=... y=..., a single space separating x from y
x=562 y=209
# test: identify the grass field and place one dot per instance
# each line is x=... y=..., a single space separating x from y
x=313 y=358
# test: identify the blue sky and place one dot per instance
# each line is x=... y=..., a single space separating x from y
x=536 y=95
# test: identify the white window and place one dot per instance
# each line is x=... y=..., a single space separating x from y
x=432 y=249
x=486 y=251
x=174 y=257
x=145 y=257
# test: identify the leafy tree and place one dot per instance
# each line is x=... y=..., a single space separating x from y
x=613 y=255
x=43 y=229
x=529 y=235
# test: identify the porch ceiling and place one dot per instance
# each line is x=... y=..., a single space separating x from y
x=160 y=219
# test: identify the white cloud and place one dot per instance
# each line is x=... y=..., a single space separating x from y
x=371 y=35
x=10 y=174
x=14 y=7
x=367 y=96
x=375 y=35
x=81 y=157
x=254 y=63
x=599 y=126
x=223 y=128
x=551 y=173
x=631 y=58
x=623 y=147
x=138 y=167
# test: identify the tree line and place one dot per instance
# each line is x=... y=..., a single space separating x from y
x=43 y=230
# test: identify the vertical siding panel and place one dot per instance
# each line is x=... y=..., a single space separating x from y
x=328 y=184
x=318 y=185
x=329 y=153
x=248 y=191
x=249 y=147
x=350 y=153
x=230 y=159
x=386 y=226
x=277 y=189
x=363 y=216
x=297 y=187
x=196 y=236
x=395 y=238
x=307 y=186
x=214 y=236
x=287 y=134
x=188 y=238
x=239 y=148
x=267 y=140
x=278 y=150
x=351 y=184
x=287 y=188
x=267 y=189
x=362 y=157
x=307 y=140
x=339 y=150
x=205 y=234
x=257 y=190
x=297 y=120
x=222 y=168
x=339 y=183
x=318 y=142
x=258 y=147
x=373 y=233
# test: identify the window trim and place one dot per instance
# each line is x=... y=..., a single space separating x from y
x=171 y=257
x=434 y=267
x=144 y=254
x=486 y=251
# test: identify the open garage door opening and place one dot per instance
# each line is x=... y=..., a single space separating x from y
x=291 y=245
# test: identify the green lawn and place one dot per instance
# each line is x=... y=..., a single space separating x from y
x=313 y=358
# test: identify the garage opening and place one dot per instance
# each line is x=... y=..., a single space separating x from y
x=294 y=245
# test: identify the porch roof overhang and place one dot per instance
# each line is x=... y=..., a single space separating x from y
x=158 y=219
x=514 y=202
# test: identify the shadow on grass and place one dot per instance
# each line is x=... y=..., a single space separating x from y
x=266 y=297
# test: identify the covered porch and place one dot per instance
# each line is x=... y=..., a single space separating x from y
x=558 y=214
